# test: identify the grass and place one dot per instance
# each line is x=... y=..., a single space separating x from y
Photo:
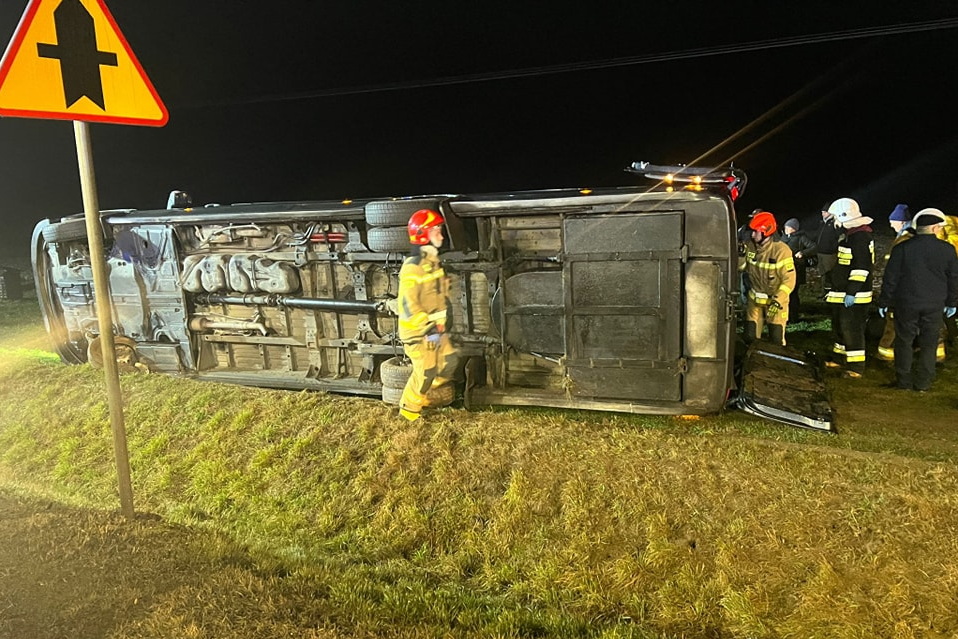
x=329 y=516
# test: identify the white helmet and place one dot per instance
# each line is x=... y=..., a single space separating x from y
x=847 y=213
x=929 y=214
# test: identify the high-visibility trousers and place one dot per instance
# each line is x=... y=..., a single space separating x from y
x=431 y=366
x=758 y=313
x=849 y=327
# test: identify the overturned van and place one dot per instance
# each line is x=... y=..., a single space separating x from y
x=616 y=299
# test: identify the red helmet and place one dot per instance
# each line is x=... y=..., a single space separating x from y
x=419 y=224
x=763 y=222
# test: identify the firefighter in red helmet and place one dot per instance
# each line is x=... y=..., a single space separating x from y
x=424 y=314
x=771 y=274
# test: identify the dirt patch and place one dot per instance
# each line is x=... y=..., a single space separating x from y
x=75 y=573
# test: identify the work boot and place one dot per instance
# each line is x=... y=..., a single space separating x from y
x=776 y=334
x=409 y=414
x=749 y=333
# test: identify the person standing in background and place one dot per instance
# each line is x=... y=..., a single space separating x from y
x=900 y=222
x=803 y=248
x=920 y=285
x=826 y=243
x=851 y=287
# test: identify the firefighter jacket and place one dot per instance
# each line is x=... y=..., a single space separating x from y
x=852 y=274
x=950 y=231
x=423 y=295
x=771 y=272
x=922 y=274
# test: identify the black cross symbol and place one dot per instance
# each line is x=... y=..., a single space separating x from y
x=76 y=49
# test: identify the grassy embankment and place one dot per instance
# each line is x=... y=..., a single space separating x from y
x=330 y=513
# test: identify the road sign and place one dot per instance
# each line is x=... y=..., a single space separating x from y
x=69 y=61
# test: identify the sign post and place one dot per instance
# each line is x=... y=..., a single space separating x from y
x=69 y=61
x=101 y=281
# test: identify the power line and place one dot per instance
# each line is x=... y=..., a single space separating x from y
x=609 y=63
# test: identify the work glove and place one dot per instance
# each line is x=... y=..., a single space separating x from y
x=950 y=311
x=773 y=310
x=849 y=301
x=882 y=311
x=432 y=340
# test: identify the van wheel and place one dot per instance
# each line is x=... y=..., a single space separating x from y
x=395 y=371
x=396 y=212
x=392 y=395
x=436 y=397
x=127 y=359
x=439 y=396
x=389 y=239
x=73 y=228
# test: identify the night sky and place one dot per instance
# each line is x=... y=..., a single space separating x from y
x=325 y=100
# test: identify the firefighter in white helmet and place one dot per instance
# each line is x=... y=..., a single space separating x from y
x=424 y=314
x=851 y=291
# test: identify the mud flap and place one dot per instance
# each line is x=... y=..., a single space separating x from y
x=784 y=385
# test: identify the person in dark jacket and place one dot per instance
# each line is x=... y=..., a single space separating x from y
x=803 y=248
x=851 y=287
x=920 y=285
x=826 y=243
x=900 y=222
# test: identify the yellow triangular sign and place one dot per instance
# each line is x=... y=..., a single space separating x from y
x=69 y=61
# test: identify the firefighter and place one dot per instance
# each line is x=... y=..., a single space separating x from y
x=921 y=283
x=770 y=269
x=424 y=314
x=949 y=233
x=851 y=291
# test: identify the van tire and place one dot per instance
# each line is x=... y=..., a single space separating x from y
x=439 y=396
x=395 y=371
x=392 y=395
x=389 y=239
x=396 y=212
x=68 y=229
x=436 y=397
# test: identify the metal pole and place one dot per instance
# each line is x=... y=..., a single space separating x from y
x=101 y=284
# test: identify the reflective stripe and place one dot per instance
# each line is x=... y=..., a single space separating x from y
x=419 y=319
x=887 y=354
x=838 y=297
x=760 y=299
x=785 y=289
x=838 y=348
x=858 y=275
x=771 y=267
x=844 y=255
x=422 y=279
x=854 y=356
